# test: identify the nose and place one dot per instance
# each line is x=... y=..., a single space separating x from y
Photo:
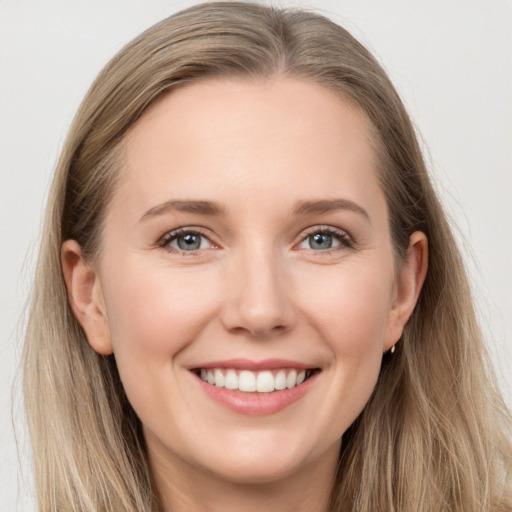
x=258 y=298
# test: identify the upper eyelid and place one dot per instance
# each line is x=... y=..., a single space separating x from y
x=184 y=230
x=343 y=233
x=326 y=228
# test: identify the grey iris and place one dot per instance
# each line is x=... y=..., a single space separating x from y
x=189 y=242
x=320 y=241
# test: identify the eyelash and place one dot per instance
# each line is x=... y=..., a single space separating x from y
x=180 y=232
x=345 y=240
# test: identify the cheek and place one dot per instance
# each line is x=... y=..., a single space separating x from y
x=350 y=307
x=352 y=316
x=154 y=315
x=155 y=310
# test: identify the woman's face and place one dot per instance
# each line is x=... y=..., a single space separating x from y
x=247 y=250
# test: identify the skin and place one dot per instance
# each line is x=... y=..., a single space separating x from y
x=255 y=289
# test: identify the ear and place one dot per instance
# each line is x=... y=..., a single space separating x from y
x=409 y=282
x=85 y=297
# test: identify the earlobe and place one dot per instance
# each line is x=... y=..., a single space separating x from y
x=410 y=279
x=85 y=297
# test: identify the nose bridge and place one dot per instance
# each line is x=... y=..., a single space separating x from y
x=258 y=296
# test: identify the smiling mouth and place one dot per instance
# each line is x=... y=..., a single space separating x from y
x=265 y=381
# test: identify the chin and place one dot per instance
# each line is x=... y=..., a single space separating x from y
x=255 y=472
x=262 y=462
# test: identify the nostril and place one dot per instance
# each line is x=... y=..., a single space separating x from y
x=261 y=331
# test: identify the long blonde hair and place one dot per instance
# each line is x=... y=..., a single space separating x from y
x=434 y=435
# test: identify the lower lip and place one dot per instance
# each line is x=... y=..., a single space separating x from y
x=257 y=404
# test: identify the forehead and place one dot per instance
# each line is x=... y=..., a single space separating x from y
x=238 y=138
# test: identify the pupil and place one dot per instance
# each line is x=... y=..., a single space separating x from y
x=321 y=241
x=189 y=242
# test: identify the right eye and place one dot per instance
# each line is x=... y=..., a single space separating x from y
x=186 y=240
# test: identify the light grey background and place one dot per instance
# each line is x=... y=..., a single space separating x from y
x=450 y=59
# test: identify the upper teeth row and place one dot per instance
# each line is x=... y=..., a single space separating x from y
x=262 y=382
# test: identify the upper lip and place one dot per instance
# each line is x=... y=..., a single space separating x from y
x=248 y=364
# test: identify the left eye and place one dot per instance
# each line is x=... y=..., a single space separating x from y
x=186 y=241
x=323 y=240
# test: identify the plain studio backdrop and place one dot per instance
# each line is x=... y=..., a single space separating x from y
x=451 y=60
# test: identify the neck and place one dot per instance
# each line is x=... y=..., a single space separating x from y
x=183 y=487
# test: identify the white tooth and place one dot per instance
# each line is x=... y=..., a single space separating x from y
x=219 y=378
x=265 y=382
x=300 y=377
x=204 y=375
x=246 y=381
x=211 y=377
x=291 y=379
x=280 y=380
x=231 y=380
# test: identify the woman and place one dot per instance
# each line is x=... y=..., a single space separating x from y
x=267 y=308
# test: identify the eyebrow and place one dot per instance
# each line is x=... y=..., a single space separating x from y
x=211 y=208
x=192 y=206
x=327 y=206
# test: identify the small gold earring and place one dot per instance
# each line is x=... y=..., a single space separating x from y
x=392 y=350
